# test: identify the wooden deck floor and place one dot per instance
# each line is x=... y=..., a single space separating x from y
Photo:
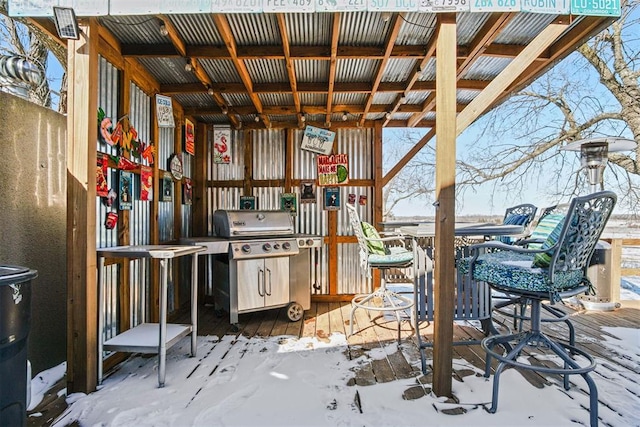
x=376 y=331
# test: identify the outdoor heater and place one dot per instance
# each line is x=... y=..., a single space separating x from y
x=593 y=157
x=594 y=153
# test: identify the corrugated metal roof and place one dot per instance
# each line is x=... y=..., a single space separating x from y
x=246 y=65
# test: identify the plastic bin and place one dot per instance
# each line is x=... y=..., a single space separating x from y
x=15 y=320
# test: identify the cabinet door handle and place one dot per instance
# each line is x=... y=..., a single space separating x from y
x=261 y=289
x=265 y=289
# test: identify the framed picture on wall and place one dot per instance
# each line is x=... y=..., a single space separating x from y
x=308 y=192
x=167 y=187
x=248 y=203
x=331 y=198
x=289 y=203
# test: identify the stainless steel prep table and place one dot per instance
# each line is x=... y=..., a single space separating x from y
x=150 y=337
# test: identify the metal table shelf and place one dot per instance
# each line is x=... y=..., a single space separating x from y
x=150 y=337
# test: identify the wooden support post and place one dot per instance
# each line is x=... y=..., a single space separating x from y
x=446 y=197
x=82 y=292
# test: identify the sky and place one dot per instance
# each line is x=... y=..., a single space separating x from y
x=290 y=381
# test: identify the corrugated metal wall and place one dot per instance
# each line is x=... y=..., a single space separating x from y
x=268 y=163
x=108 y=94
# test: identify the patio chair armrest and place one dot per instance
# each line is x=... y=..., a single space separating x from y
x=398 y=238
x=525 y=242
x=493 y=244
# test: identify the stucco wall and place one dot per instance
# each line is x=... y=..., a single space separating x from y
x=33 y=217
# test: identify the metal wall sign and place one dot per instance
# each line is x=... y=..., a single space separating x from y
x=596 y=7
x=546 y=6
x=146 y=7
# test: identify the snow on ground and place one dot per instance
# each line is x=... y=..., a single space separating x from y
x=286 y=381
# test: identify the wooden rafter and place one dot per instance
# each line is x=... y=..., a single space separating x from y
x=200 y=73
x=224 y=29
x=335 y=34
x=396 y=24
x=293 y=81
x=430 y=50
x=490 y=30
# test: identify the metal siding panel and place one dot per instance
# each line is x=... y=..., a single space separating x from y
x=351 y=278
x=268 y=154
x=309 y=29
x=254 y=29
x=196 y=29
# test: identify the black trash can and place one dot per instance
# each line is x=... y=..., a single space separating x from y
x=15 y=320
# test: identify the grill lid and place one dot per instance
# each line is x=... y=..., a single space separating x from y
x=252 y=223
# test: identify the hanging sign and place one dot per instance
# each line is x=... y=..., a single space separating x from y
x=236 y=6
x=333 y=169
x=392 y=5
x=546 y=6
x=331 y=196
x=434 y=6
x=317 y=140
x=495 y=5
x=189 y=138
x=596 y=7
x=185 y=6
x=221 y=141
x=175 y=166
x=164 y=112
x=341 y=5
x=288 y=6
x=133 y=7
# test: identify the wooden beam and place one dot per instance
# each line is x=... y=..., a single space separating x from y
x=293 y=81
x=407 y=157
x=335 y=35
x=510 y=73
x=444 y=290
x=82 y=294
x=222 y=24
x=396 y=24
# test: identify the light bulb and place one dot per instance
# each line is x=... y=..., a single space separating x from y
x=387 y=115
x=210 y=91
x=163 y=30
x=225 y=111
x=256 y=118
x=344 y=117
x=188 y=67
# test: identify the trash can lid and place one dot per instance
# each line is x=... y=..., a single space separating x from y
x=10 y=274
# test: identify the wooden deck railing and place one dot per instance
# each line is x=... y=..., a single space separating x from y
x=617 y=272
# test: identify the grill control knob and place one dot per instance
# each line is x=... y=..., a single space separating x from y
x=301 y=243
x=266 y=247
x=276 y=246
x=246 y=249
x=286 y=246
x=310 y=242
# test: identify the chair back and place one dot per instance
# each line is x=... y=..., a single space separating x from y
x=585 y=221
x=526 y=210
x=356 y=226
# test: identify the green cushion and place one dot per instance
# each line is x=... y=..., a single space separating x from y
x=375 y=247
x=543 y=259
x=544 y=228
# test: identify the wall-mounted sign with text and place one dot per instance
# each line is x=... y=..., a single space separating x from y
x=317 y=140
x=333 y=169
x=164 y=112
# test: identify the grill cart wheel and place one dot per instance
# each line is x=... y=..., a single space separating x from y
x=294 y=311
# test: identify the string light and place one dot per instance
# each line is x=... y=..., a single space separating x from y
x=344 y=117
x=163 y=31
x=387 y=115
x=188 y=67
x=225 y=110
x=210 y=91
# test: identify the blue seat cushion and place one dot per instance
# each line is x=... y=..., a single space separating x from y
x=397 y=256
x=514 y=271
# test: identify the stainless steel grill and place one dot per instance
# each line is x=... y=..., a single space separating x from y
x=259 y=262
